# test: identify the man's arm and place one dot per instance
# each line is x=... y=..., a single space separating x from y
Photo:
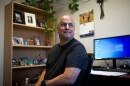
x=41 y=78
x=67 y=78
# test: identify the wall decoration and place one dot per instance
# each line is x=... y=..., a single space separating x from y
x=30 y=19
x=86 y=23
x=101 y=3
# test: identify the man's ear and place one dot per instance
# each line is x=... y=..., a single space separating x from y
x=57 y=27
x=75 y=31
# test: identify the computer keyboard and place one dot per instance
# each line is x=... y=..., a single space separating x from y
x=112 y=70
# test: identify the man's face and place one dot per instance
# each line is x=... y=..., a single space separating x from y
x=66 y=28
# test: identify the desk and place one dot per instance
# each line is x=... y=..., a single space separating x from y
x=105 y=80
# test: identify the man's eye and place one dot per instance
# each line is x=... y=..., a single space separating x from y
x=71 y=24
x=63 y=24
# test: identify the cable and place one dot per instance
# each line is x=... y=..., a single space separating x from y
x=107 y=64
x=124 y=62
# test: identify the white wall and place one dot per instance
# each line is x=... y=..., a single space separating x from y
x=1 y=41
x=2 y=17
x=115 y=22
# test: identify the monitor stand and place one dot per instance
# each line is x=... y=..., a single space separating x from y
x=114 y=63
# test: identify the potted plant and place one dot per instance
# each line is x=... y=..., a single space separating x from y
x=73 y=5
x=47 y=7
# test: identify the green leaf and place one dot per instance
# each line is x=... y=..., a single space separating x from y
x=70 y=6
x=47 y=6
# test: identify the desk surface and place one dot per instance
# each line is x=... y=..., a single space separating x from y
x=98 y=78
x=109 y=73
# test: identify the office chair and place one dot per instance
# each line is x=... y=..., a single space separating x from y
x=88 y=70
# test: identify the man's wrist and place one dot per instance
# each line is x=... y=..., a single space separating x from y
x=44 y=82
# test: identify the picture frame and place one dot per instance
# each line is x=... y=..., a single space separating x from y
x=36 y=41
x=30 y=19
x=17 y=41
x=18 y=17
x=41 y=23
x=86 y=21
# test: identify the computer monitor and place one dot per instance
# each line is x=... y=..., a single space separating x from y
x=117 y=47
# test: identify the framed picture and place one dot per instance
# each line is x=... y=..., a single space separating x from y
x=86 y=27
x=41 y=23
x=18 y=17
x=30 y=19
x=17 y=41
x=37 y=41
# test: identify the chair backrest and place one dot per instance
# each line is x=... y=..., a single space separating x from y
x=88 y=70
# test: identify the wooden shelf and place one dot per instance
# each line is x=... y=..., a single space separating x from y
x=19 y=6
x=23 y=26
x=18 y=51
x=32 y=66
x=32 y=46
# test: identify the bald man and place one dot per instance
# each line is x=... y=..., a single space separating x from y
x=67 y=60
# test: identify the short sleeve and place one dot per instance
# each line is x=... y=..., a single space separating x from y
x=77 y=57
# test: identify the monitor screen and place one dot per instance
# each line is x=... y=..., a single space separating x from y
x=117 y=47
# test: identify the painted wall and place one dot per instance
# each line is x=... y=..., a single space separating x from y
x=1 y=41
x=3 y=3
x=115 y=22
